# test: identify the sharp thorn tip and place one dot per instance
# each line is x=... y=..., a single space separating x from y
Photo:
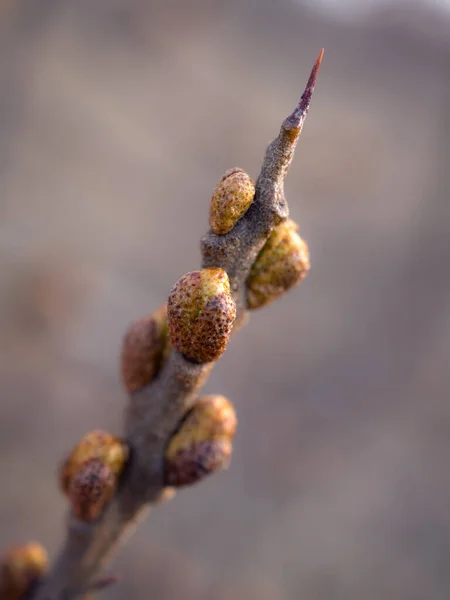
x=306 y=96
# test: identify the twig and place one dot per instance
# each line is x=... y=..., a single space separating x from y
x=153 y=413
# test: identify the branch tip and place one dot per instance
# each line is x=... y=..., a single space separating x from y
x=306 y=96
x=296 y=119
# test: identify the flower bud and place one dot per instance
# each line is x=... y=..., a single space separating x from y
x=201 y=314
x=230 y=200
x=20 y=569
x=91 y=488
x=97 y=444
x=145 y=348
x=203 y=443
x=282 y=264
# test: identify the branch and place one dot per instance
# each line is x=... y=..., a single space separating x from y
x=236 y=251
x=154 y=412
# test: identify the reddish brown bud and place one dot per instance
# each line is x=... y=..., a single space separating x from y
x=201 y=314
x=282 y=264
x=20 y=569
x=145 y=348
x=231 y=200
x=97 y=444
x=203 y=443
x=91 y=488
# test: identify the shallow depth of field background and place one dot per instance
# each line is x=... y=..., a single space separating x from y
x=117 y=119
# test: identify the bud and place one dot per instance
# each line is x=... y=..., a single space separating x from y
x=231 y=200
x=91 y=488
x=20 y=569
x=203 y=443
x=201 y=314
x=97 y=444
x=282 y=264
x=145 y=348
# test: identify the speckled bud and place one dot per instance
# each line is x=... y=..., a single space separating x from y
x=201 y=314
x=97 y=444
x=91 y=488
x=21 y=568
x=230 y=200
x=145 y=348
x=203 y=443
x=282 y=264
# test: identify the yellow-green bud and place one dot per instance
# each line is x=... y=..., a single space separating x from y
x=145 y=348
x=203 y=443
x=231 y=200
x=282 y=264
x=20 y=569
x=97 y=444
x=201 y=313
x=91 y=488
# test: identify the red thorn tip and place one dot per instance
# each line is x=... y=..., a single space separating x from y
x=306 y=96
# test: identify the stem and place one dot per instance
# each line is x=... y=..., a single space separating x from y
x=153 y=413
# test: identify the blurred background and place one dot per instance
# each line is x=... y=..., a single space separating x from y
x=117 y=119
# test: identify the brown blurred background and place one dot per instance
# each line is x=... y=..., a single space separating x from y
x=117 y=119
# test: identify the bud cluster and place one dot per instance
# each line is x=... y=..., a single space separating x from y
x=197 y=321
x=282 y=263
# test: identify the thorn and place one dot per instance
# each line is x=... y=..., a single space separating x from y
x=306 y=96
x=297 y=118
